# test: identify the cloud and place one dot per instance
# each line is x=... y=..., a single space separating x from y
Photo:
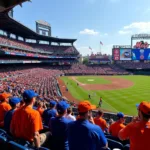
x=105 y=34
x=136 y=27
x=124 y=32
x=89 y=32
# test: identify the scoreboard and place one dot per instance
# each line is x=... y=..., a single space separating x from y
x=128 y=54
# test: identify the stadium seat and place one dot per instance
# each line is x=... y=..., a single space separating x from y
x=2 y=132
x=127 y=147
x=114 y=144
x=117 y=139
x=3 y=142
x=15 y=146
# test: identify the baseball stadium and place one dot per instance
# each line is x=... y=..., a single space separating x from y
x=51 y=100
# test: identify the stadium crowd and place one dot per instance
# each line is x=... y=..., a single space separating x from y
x=33 y=110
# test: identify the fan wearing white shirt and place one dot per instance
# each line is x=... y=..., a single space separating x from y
x=69 y=116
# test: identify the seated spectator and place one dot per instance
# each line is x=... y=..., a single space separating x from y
x=4 y=107
x=84 y=135
x=69 y=115
x=118 y=125
x=40 y=108
x=49 y=113
x=100 y=121
x=26 y=122
x=138 y=131
x=59 y=128
x=15 y=104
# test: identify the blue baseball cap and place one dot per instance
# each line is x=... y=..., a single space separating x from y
x=137 y=105
x=52 y=103
x=14 y=100
x=62 y=106
x=120 y=115
x=29 y=94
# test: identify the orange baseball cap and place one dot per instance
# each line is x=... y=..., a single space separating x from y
x=145 y=107
x=85 y=106
x=3 y=96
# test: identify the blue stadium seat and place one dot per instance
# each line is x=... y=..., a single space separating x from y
x=15 y=146
x=2 y=132
x=127 y=147
x=114 y=144
x=117 y=139
x=3 y=142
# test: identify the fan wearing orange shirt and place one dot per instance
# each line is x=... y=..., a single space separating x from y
x=26 y=122
x=4 y=107
x=40 y=108
x=100 y=121
x=118 y=125
x=138 y=131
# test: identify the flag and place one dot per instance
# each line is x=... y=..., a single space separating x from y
x=101 y=43
x=90 y=48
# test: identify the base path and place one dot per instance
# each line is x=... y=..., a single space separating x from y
x=66 y=94
x=116 y=83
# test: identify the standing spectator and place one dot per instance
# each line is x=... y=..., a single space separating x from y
x=4 y=107
x=138 y=131
x=26 y=122
x=84 y=135
x=15 y=104
x=100 y=121
x=59 y=128
x=69 y=115
x=49 y=113
x=118 y=125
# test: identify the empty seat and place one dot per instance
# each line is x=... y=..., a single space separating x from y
x=15 y=146
x=114 y=144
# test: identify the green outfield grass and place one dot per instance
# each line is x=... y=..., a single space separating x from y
x=114 y=100
x=92 y=80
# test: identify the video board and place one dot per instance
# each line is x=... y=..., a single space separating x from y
x=140 y=54
x=125 y=54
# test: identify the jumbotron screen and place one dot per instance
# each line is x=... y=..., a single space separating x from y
x=131 y=54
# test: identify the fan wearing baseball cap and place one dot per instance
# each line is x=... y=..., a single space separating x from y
x=15 y=104
x=59 y=127
x=50 y=112
x=118 y=125
x=4 y=106
x=84 y=135
x=138 y=132
x=26 y=122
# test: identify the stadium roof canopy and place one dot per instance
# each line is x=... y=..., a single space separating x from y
x=12 y=26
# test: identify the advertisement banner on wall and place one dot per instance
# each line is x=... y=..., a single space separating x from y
x=125 y=54
x=116 y=54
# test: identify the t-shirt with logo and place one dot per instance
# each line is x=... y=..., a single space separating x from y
x=84 y=135
x=59 y=128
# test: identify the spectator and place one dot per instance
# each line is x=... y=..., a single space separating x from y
x=4 y=107
x=15 y=104
x=59 y=128
x=84 y=135
x=138 y=132
x=100 y=121
x=69 y=115
x=40 y=108
x=26 y=122
x=118 y=125
x=49 y=113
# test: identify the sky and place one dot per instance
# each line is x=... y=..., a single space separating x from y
x=89 y=21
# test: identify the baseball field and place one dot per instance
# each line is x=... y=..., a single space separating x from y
x=119 y=93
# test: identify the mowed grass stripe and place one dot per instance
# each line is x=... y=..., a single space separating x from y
x=121 y=100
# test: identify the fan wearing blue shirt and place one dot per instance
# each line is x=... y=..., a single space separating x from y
x=15 y=104
x=49 y=113
x=82 y=134
x=59 y=128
